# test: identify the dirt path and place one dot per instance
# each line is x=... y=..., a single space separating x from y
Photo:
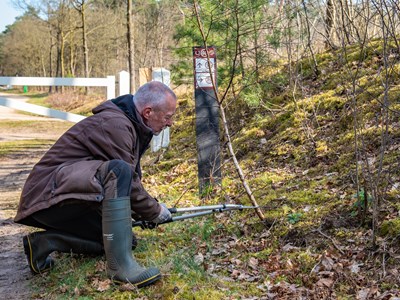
x=14 y=271
x=14 y=169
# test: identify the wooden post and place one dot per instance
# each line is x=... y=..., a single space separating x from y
x=144 y=75
x=207 y=120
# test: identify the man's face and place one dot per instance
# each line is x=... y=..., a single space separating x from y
x=159 y=118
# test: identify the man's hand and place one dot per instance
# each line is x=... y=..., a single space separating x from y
x=164 y=216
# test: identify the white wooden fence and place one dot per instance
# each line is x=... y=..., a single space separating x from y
x=108 y=82
x=158 y=74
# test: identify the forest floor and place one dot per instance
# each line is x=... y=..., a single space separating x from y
x=327 y=256
x=14 y=169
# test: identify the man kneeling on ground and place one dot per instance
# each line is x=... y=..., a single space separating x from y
x=85 y=188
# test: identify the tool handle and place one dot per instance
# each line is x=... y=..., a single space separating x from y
x=219 y=207
x=151 y=225
x=148 y=224
x=197 y=212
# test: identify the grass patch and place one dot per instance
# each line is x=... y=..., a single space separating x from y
x=25 y=125
x=38 y=99
x=21 y=146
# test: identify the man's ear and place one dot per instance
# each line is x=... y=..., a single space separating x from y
x=146 y=112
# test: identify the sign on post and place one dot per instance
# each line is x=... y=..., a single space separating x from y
x=207 y=119
x=203 y=66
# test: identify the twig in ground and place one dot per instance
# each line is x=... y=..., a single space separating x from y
x=331 y=239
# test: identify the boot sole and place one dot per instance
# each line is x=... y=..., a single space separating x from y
x=149 y=281
x=29 y=255
x=141 y=284
x=28 y=252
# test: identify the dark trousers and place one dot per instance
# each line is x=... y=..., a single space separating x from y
x=83 y=218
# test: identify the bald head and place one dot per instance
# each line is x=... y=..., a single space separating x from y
x=153 y=94
x=156 y=103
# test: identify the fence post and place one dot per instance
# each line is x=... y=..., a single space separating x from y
x=110 y=87
x=124 y=84
x=161 y=140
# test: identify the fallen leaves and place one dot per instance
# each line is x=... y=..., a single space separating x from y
x=101 y=285
x=325 y=282
x=199 y=259
x=253 y=263
x=291 y=270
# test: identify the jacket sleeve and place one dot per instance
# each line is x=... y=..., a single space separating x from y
x=116 y=139
x=142 y=203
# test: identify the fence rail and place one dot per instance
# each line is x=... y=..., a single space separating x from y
x=40 y=110
x=108 y=82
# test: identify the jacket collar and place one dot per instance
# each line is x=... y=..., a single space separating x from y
x=145 y=133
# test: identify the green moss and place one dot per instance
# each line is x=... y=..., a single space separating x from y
x=249 y=138
x=264 y=253
x=343 y=233
x=268 y=178
x=321 y=148
x=304 y=260
x=390 y=228
x=333 y=82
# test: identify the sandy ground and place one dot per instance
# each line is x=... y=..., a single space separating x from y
x=14 y=169
x=11 y=114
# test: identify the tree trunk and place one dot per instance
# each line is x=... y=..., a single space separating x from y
x=84 y=43
x=255 y=42
x=131 y=47
x=62 y=61
x=51 y=61
x=309 y=46
x=329 y=24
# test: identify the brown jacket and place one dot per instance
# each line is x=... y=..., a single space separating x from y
x=68 y=169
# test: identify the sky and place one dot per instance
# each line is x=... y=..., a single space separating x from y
x=7 y=14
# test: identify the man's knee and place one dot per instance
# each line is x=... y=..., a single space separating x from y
x=123 y=174
x=120 y=168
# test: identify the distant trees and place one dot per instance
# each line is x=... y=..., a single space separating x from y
x=86 y=38
x=24 y=50
x=83 y=37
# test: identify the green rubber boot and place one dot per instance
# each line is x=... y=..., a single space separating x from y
x=39 y=245
x=117 y=240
